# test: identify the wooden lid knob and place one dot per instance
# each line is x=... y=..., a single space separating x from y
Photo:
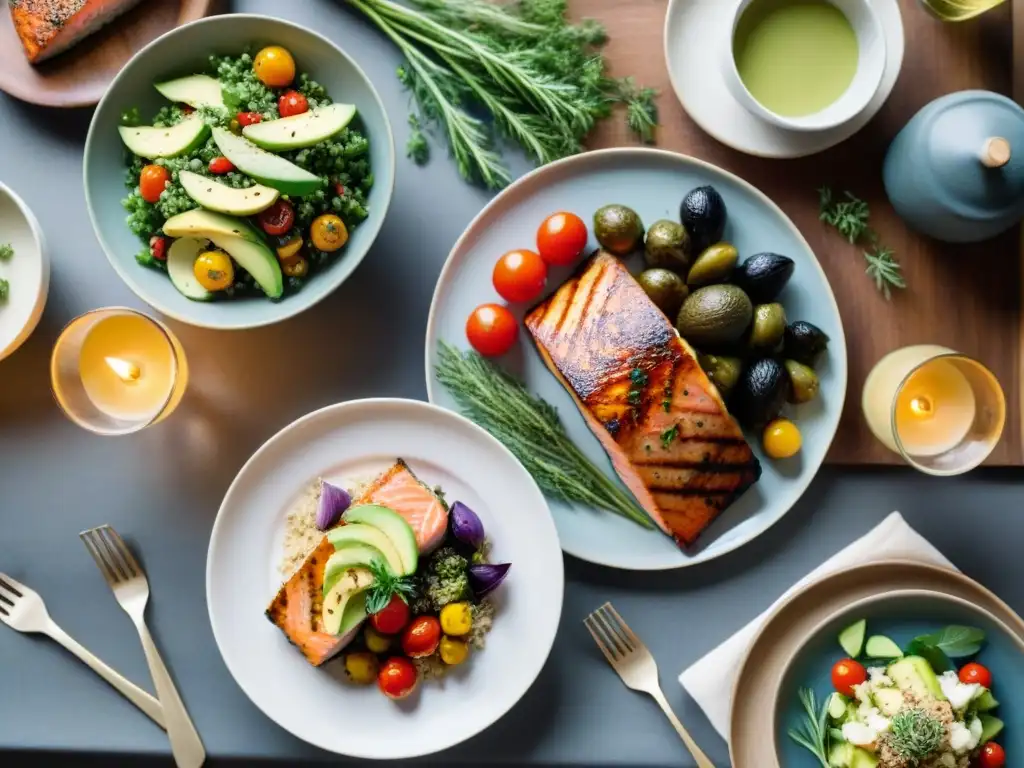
x=996 y=153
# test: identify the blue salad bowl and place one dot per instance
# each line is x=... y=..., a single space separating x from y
x=184 y=51
x=902 y=616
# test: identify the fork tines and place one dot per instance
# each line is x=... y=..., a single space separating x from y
x=113 y=557
x=4 y=599
x=615 y=639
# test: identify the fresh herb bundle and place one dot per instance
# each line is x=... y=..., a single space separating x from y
x=916 y=734
x=540 y=80
x=813 y=733
x=386 y=584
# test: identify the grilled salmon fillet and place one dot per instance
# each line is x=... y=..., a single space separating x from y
x=49 y=27
x=297 y=607
x=644 y=395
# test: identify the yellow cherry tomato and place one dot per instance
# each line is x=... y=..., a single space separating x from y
x=328 y=232
x=290 y=249
x=297 y=267
x=375 y=641
x=453 y=651
x=214 y=270
x=782 y=439
x=274 y=66
x=456 y=619
x=361 y=667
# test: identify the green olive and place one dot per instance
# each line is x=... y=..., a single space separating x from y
x=667 y=246
x=714 y=265
x=804 y=382
x=723 y=371
x=665 y=288
x=768 y=328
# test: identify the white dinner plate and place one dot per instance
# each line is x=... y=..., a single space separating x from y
x=696 y=34
x=353 y=440
x=27 y=272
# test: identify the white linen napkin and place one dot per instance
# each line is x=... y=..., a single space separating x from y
x=710 y=679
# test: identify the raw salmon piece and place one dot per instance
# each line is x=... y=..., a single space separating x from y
x=644 y=395
x=297 y=607
x=49 y=27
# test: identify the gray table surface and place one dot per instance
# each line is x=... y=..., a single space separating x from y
x=162 y=489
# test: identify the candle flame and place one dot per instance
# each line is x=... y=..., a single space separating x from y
x=125 y=370
x=921 y=406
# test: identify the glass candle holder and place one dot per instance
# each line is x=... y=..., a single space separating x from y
x=943 y=412
x=115 y=371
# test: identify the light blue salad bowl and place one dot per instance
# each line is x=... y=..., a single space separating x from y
x=902 y=616
x=184 y=51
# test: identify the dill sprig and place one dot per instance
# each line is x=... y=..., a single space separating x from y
x=386 y=584
x=530 y=428
x=813 y=733
x=884 y=270
x=641 y=109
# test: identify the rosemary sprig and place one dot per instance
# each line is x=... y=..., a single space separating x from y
x=813 y=734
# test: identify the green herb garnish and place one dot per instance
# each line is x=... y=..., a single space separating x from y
x=6 y=252
x=385 y=586
x=669 y=435
x=812 y=734
x=638 y=378
x=955 y=641
x=641 y=109
x=5 y=289
x=915 y=734
x=530 y=428
x=416 y=148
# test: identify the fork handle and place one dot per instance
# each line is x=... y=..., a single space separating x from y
x=698 y=755
x=185 y=743
x=125 y=687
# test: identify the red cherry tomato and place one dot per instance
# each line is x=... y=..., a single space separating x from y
x=846 y=674
x=221 y=165
x=421 y=637
x=975 y=673
x=248 y=118
x=339 y=188
x=392 y=617
x=152 y=181
x=397 y=677
x=520 y=276
x=158 y=247
x=561 y=238
x=992 y=756
x=292 y=103
x=492 y=330
x=278 y=218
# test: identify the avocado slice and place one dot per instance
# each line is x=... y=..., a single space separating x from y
x=217 y=196
x=369 y=535
x=265 y=167
x=881 y=647
x=181 y=259
x=352 y=554
x=915 y=674
x=353 y=582
x=194 y=90
x=396 y=528
x=852 y=638
x=151 y=142
x=241 y=240
x=299 y=131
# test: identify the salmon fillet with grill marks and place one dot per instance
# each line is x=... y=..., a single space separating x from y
x=644 y=395
x=48 y=27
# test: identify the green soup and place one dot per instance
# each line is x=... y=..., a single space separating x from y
x=796 y=57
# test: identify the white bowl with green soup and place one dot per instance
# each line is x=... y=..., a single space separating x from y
x=805 y=65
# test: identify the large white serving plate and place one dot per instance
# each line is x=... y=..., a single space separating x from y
x=354 y=440
x=652 y=182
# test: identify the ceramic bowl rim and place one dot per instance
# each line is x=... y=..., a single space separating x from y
x=43 y=287
x=871 y=601
x=385 y=182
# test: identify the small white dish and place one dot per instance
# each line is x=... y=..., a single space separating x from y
x=694 y=35
x=858 y=95
x=28 y=272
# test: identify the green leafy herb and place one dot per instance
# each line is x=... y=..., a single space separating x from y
x=416 y=148
x=540 y=79
x=915 y=734
x=669 y=435
x=5 y=289
x=812 y=734
x=531 y=429
x=936 y=658
x=638 y=378
x=955 y=641
x=884 y=270
x=6 y=252
x=385 y=586
x=666 y=404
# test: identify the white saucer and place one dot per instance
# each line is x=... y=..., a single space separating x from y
x=28 y=272
x=695 y=33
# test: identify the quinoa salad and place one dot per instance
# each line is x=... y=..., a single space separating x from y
x=248 y=182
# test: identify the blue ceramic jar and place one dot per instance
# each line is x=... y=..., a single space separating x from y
x=956 y=170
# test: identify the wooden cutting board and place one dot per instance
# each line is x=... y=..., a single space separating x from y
x=964 y=297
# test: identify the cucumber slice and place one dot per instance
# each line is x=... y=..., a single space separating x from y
x=852 y=638
x=837 y=706
x=990 y=728
x=985 y=702
x=181 y=259
x=888 y=700
x=881 y=647
x=840 y=755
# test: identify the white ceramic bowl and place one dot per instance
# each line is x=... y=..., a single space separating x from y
x=28 y=272
x=857 y=97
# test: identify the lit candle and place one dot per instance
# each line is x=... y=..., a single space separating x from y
x=934 y=409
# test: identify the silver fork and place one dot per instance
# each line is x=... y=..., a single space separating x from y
x=636 y=666
x=131 y=589
x=23 y=610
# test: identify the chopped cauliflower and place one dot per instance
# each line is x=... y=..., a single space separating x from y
x=860 y=734
x=959 y=694
x=878 y=678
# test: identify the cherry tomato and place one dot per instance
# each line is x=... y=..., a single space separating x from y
x=152 y=181
x=975 y=673
x=397 y=677
x=846 y=674
x=492 y=330
x=274 y=66
x=221 y=165
x=520 y=276
x=292 y=103
x=339 y=188
x=214 y=270
x=561 y=238
x=248 y=118
x=328 y=232
x=421 y=637
x=391 y=618
x=278 y=218
x=992 y=756
x=158 y=247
